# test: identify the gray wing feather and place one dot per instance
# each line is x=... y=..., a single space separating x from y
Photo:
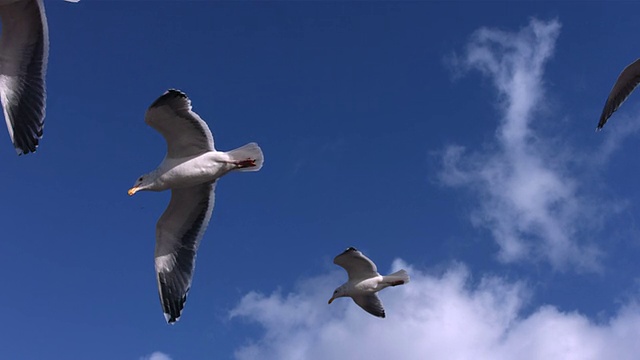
x=357 y=265
x=24 y=50
x=371 y=304
x=178 y=234
x=185 y=132
x=626 y=83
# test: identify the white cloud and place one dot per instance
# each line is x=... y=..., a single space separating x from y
x=445 y=316
x=615 y=135
x=156 y=356
x=529 y=200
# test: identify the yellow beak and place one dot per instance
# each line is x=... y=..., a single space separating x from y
x=133 y=190
x=331 y=300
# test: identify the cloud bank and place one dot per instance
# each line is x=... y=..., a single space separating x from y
x=527 y=198
x=436 y=316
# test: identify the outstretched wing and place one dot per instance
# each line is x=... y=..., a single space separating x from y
x=357 y=265
x=24 y=48
x=185 y=132
x=178 y=235
x=371 y=304
x=627 y=81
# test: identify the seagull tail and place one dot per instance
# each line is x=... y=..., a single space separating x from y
x=397 y=278
x=252 y=152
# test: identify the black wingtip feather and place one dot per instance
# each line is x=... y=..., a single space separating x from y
x=349 y=249
x=171 y=306
x=169 y=94
x=607 y=111
x=381 y=314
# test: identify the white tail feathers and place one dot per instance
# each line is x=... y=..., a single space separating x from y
x=397 y=278
x=251 y=151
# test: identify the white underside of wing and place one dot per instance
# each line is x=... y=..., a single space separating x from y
x=6 y=93
x=185 y=132
x=165 y=263
x=356 y=264
x=178 y=234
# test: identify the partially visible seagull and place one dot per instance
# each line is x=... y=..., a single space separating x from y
x=364 y=281
x=24 y=50
x=190 y=169
x=627 y=81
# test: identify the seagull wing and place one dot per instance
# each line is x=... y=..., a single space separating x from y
x=370 y=303
x=627 y=81
x=357 y=265
x=185 y=132
x=178 y=234
x=24 y=48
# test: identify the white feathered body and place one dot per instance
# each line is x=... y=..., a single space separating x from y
x=366 y=286
x=374 y=284
x=187 y=172
x=175 y=173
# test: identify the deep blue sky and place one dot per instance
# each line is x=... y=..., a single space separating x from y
x=353 y=105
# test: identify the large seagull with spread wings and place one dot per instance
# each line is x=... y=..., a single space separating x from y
x=190 y=169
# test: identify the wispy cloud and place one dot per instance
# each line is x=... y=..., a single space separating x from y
x=444 y=316
x=614 y=136
x=156 y=356
x=527 y=197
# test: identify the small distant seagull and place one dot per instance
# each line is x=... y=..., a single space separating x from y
x=627 y=81
x=364 y=281
x=190 y=169
x=24 y=51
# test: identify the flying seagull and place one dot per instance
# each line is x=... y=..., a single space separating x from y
x=190 y=169
x=364 y=281
x=24 y=50
x=627 y=81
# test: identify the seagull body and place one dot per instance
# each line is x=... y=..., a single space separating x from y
x=365 y=281
x=24 y=51
x=190 y=169
x=624 y=86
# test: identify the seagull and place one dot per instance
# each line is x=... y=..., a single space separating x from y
x=24 y=50
x=364 y=281
x=190 y=169
x=627 y=81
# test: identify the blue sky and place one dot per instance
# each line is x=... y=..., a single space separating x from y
x=455 y=140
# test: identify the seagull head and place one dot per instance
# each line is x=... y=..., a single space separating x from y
x=339 y=292
x=144 y=182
